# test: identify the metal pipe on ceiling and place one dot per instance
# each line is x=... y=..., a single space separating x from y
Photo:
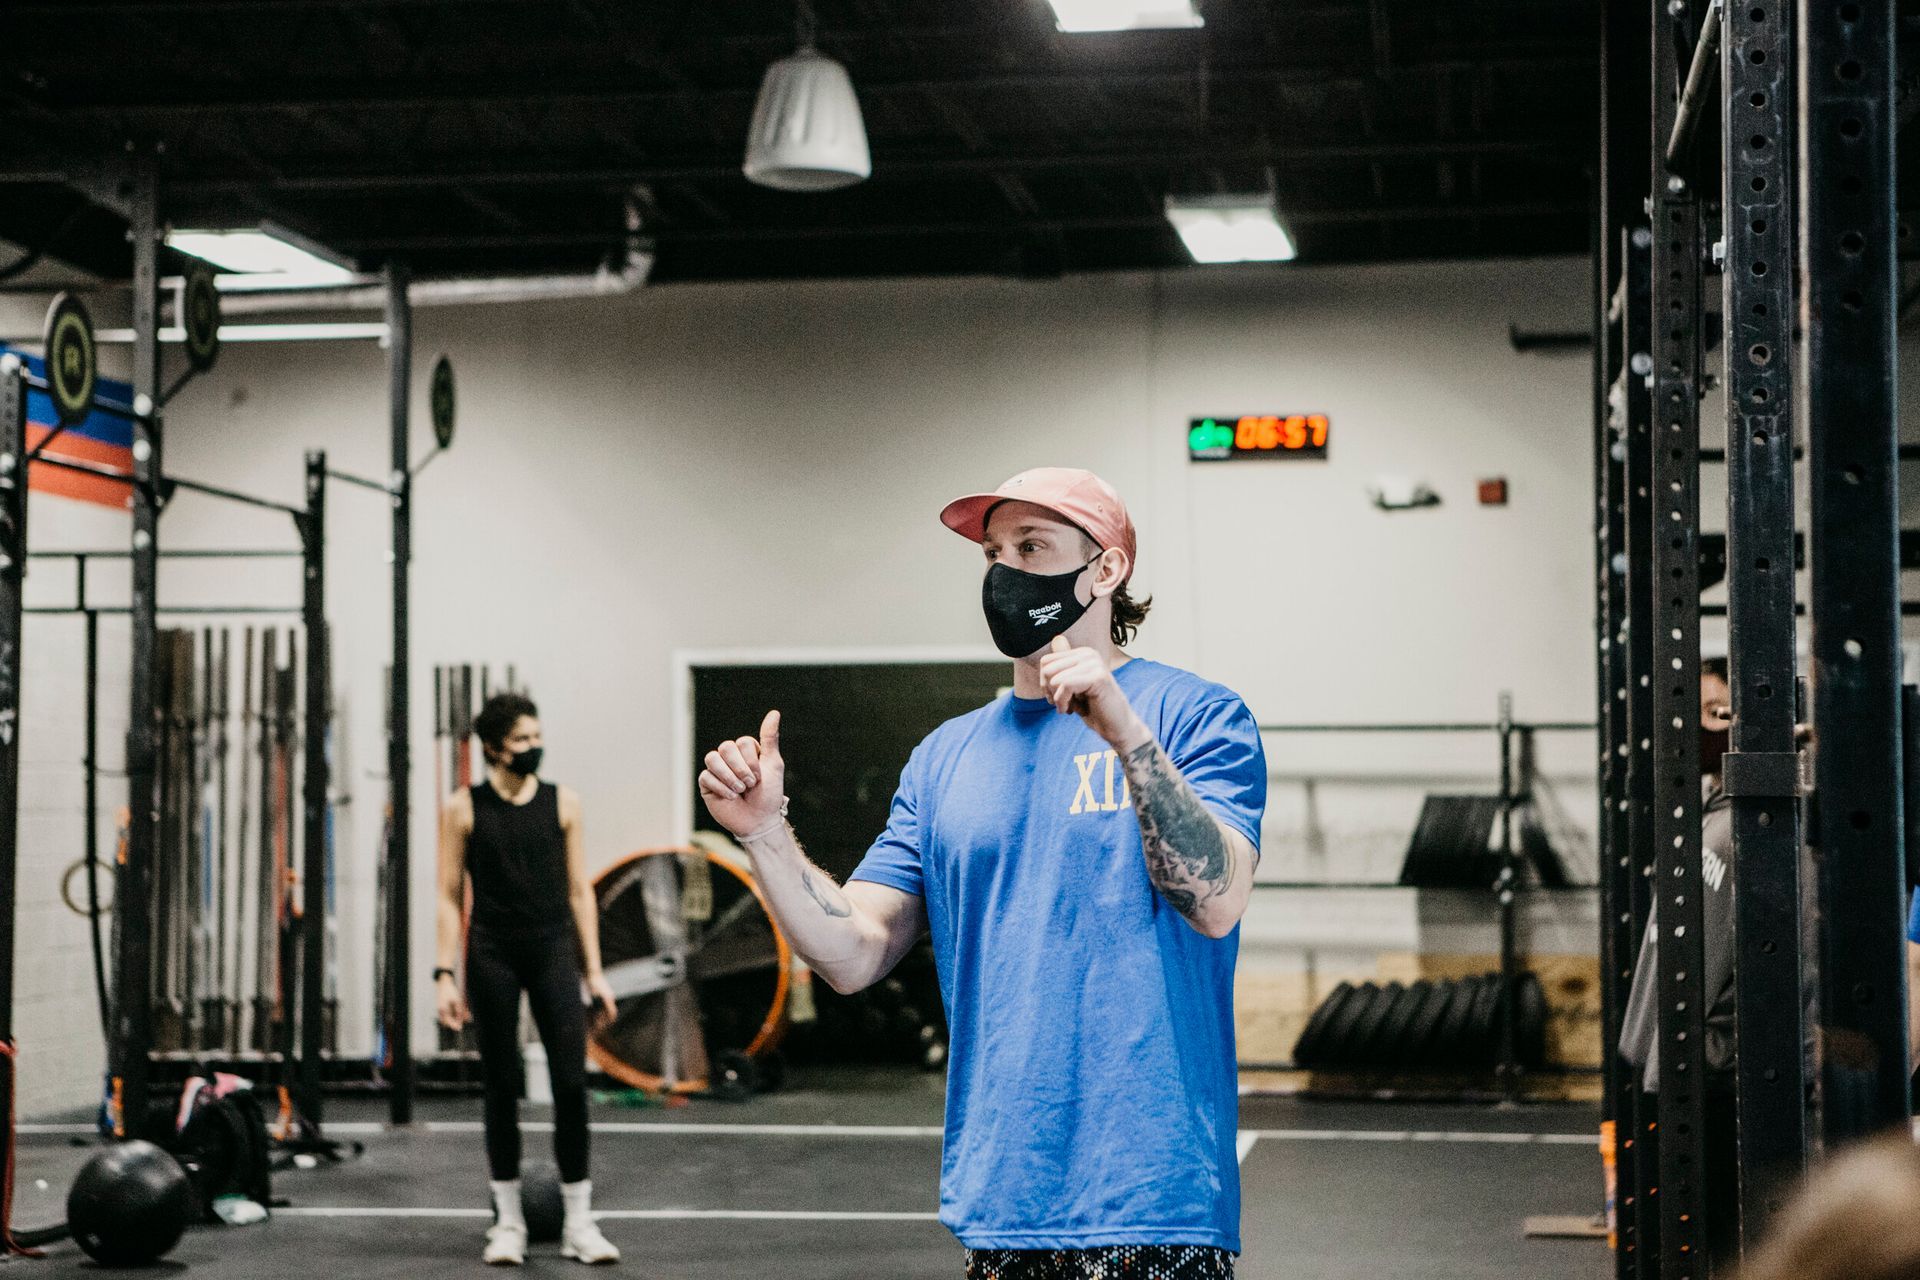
x=608 y=282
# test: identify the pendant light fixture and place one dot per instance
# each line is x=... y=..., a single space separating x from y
x=807 y=134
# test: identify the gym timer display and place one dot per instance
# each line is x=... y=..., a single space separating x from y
x=1254 y=435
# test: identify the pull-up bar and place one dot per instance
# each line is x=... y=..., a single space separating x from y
x=233 y=495
x=166 y=484
x=82 y=558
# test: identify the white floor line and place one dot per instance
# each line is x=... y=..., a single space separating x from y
x=611 y=1215
x=1247 y=1139
x=374 y=1211
x=360 y=1128
x=1415 y=1135
x=736 y=1130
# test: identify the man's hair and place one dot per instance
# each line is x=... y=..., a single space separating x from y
x=1715 y=667
x=1852 y=1220
x=501 y=712
x=1128 y=613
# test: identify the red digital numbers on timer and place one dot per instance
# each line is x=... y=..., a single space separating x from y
x=1295 y=431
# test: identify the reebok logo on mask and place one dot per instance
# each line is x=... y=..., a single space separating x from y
x=1027 y=610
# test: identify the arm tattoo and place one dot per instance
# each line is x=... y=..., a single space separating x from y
x=1188 y=858
x=839 y=910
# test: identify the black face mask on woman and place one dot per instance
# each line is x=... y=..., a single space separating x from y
x=524 y=763
x=1714 y=745
x=1027 y=610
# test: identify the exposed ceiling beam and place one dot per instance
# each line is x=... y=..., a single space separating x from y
x=490 y=91
x=855 y=230
x=490 y=209
x=1017 y=193
x=1381 y=30
x=124 y=8
x=886 y=167
x=781 y=33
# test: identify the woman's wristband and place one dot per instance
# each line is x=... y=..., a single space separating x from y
x=442 y=972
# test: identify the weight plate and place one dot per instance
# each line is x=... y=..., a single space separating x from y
x=1334 y=1052
x=1532 y=1000
x=1307 y=1047
x=1424 y=1034
x=1484 y=1047
x=1367 y=1039
x=72 y=360
x=1391 y=1052
x=440 y=401
x=200 y=302
x=1450 y=1051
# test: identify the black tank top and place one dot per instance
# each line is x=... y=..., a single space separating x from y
x=517 y=858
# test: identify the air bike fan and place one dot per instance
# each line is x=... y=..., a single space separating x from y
x=699 y=969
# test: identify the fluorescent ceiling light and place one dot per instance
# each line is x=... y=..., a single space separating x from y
x=1230 y=228
x=329 y=277
x=344 y=331
x=302 y=332
x=1123 y=15
x=264 y=258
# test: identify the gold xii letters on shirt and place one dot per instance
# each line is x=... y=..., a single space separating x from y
x=1083 y=796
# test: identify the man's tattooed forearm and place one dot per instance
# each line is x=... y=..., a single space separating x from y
x=1188 y=858
x=839 y=910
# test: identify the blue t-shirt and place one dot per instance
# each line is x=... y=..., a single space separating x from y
x=1913 y=920
x=1092 y=1091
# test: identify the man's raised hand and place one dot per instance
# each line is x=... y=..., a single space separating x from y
x=744 y=782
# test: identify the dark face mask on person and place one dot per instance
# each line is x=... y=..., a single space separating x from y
x=523 y=763
x=1714 y=743
x=1027 y=610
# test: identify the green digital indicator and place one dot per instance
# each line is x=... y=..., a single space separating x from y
x=1253 y=435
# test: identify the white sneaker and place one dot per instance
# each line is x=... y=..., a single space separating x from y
x=584 y=1243
x=506 y=1245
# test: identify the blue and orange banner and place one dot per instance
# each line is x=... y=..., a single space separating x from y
x=105 y=439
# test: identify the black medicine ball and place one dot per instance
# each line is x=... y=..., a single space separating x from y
x=541 y=1202
x=129 y=1204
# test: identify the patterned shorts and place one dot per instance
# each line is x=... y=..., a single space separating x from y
x=1113 y=1262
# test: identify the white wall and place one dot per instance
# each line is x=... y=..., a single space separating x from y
x=761 y=466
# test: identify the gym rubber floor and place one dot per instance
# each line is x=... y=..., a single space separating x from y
x=836 y=1178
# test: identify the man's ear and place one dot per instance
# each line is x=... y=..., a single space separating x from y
x=1111 y=572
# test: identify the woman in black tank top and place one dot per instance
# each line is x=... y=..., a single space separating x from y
x=515 y=842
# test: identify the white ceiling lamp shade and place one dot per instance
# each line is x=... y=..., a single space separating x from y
x=1230 y=228
x=267 y=257
x=807 y=133
x=1124 y=15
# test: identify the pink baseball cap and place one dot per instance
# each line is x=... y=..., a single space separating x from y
x=1081 y=498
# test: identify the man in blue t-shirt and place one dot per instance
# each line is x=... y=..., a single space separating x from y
x=1913 y=980
x=1081 y=851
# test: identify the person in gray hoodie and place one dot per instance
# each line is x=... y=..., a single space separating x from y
x=1640 y=1023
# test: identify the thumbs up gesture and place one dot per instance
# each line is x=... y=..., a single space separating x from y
x=744 y=782
x=1079 y=682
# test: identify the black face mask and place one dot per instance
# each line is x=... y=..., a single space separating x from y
x=1026 y=610
x=524 y=763
x=1714 y=743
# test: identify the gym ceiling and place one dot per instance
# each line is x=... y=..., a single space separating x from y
x=509 y=136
